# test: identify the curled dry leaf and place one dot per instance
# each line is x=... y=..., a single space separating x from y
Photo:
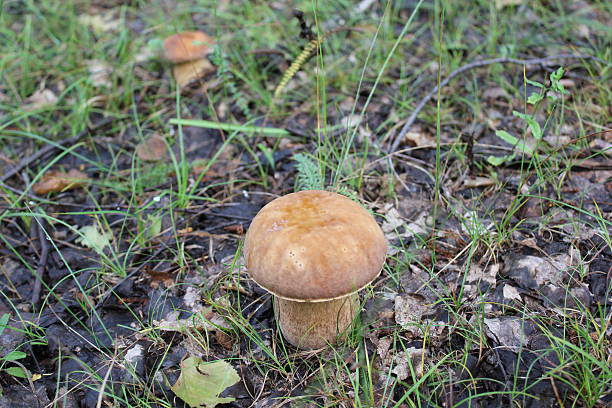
x=40 y=99
x=55 y=181
x=187 y=46
x=188 y=72
x=152 y=149
x=475 y=182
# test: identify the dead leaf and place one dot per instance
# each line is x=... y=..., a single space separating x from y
x=351 y=121
x=500 y=4
x=97 y=101
x=529 y=242
x=99 y=73
x=384 y=344
x=579 y=297
x=420 y=226
x=478 y=274
x=531 y=272
x=395 y=225
x=475 y=182
x=235 y=229
x=171 y=322
x=188 y=72
x=101 y=22
x=55 y=181
x=402 y=360
x=414 y=357
x=187 y=46
x=495 y=93
x=508 y=331
x=582 y=30
x=40 y=99
x=473 y=223
x=393 y=220
x=193 y=298
x=152 y=149
x=418 y=137
x=224 y=339
x=205 y=319
x=511 y=293
x=409 y=309
x=159 y=278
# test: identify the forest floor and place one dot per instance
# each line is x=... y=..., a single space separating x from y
x=478 y=133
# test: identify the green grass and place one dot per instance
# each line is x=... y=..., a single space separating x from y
x=373 y=66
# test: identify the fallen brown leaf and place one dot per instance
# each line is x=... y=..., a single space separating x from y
x=152 y=149
x=235 y=228
x=56 y=181
x=418 y=137
x=187 y=46
x=475 y=182
x=40 y=99
x=224 y=339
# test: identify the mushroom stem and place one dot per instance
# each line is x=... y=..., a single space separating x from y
x=313 y=325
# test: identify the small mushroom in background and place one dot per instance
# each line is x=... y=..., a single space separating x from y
x=187 y=46
x=187 y=51
x=314 y=250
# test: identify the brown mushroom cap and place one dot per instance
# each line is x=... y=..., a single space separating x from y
x=187 y=46
x=314 y=246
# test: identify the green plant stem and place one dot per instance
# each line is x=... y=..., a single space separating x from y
x=230 y=127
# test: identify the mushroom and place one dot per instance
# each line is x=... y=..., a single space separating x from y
x=187 y=46
x=314 y=250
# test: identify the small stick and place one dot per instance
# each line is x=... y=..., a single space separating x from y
x=502 y=60
x=42 y=263
x=556 y=391
x=103 y=384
